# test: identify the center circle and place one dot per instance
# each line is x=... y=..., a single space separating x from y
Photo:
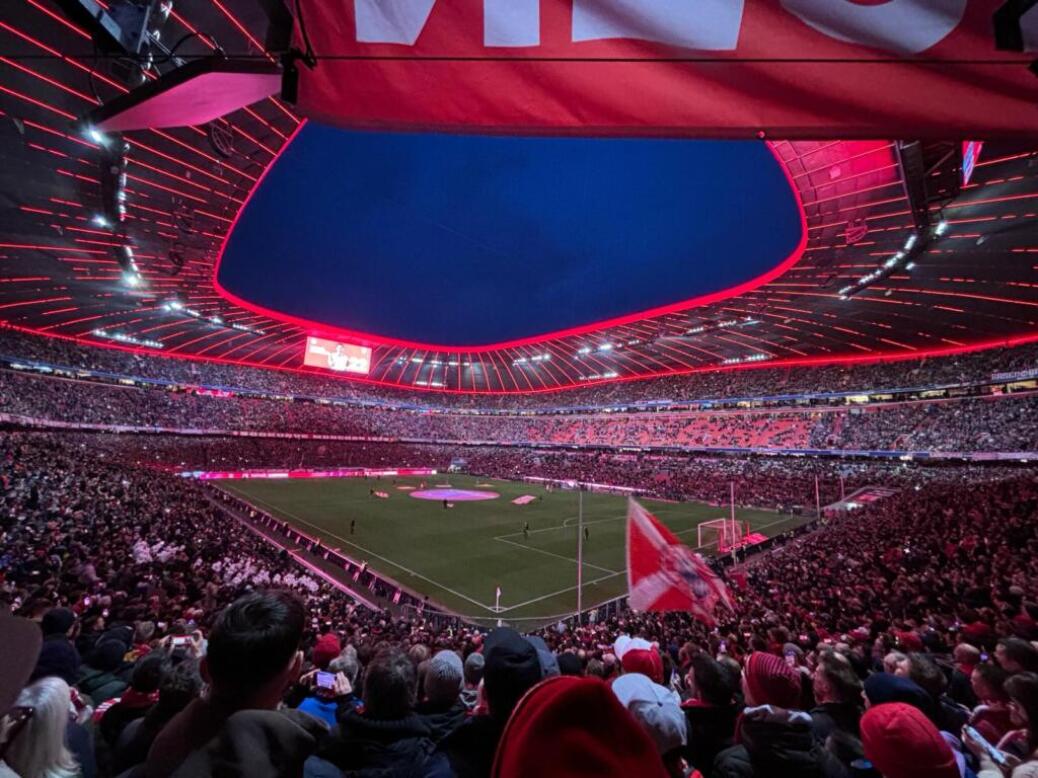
x=454 y=495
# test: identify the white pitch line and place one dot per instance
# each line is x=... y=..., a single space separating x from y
x=560 y=591
x=372 y=553
x=557 y=556
x=557 y=527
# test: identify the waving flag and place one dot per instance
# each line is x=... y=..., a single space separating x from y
x=663 y=574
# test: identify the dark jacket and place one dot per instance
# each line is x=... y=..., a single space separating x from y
x=442 y=722
x=100 y=685
x=256 y=744
x=776 y=743
x=711 y=729
x=832 y=717
x=370 y=748
x=468 y=752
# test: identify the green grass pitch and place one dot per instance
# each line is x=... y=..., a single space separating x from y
x=459 y=555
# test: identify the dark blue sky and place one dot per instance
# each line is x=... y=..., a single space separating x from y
x=463 y=240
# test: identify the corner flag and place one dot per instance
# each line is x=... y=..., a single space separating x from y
x=665 y=575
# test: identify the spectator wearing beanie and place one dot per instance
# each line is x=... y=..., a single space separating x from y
x=511 y=667
x=638 y=655
x=901 y=742
x=658 y=710
x=58 y=624
x=473 y=676
x=569 y=727
x=711 y=711
x=325 y=650
x=570 y=664
x=774 y=738
x=104 y=674
x=884 y=687
x=441 y=707
x=388 y=737
x=547 y=658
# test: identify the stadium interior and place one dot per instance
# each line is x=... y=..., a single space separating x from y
x=352 y=426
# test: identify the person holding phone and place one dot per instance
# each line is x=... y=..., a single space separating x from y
x=328 y=694
x=998 y=762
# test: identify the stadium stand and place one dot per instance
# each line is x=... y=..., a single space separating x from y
x=956 y=563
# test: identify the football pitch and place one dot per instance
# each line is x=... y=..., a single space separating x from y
x=459 y=555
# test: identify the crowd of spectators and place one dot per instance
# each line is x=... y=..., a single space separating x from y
x=1006 y=423
x=976 y=367
x=767 y=482
x=171 y=641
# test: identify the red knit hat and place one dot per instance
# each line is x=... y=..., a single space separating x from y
x=902 y=743
x=638 y=655
x=771 y=681
x=909 y=640
x=325 y=649
x=567 y=727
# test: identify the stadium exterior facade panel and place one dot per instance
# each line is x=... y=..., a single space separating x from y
x=876 y=276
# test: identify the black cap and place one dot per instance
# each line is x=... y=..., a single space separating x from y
x=57 y=621
x=511 y=667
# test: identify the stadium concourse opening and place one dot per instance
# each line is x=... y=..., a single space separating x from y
x=518 y=389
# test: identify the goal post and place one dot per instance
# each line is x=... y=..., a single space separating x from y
x=726 y=534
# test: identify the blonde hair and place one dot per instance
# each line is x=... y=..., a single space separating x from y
x=39 y=750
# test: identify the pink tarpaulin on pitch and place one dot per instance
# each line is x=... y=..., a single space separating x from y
x=718 y=68
x=524 y=500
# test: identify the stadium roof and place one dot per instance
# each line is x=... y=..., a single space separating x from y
x=895 y=262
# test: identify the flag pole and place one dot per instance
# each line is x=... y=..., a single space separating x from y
x=580 y=551
x=818 y=500
x=732 y=503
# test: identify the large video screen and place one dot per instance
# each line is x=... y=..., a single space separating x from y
x=340 y=357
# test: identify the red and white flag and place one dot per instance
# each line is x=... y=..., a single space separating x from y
x=663 y=574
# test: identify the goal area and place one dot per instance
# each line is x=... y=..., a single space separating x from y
x=724 y=534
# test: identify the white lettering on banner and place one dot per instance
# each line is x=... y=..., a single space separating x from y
x=902 y=26
x=512 y=22
x=692 y=24
x=391 y=21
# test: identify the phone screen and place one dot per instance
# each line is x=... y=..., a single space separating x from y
x=325 y=680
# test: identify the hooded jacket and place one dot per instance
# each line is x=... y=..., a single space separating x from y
x=776 y=743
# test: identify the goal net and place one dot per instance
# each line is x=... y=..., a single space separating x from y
x=725 y=534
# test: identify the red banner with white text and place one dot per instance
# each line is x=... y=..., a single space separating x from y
x=695 y=68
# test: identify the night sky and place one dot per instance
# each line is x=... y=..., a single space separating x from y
x=463 y=240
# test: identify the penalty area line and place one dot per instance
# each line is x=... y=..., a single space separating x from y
x=557 y=556
x=561 y=591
